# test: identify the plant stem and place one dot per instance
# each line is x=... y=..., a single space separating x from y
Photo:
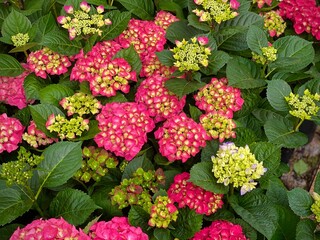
x=298 y=126
x=37 y=207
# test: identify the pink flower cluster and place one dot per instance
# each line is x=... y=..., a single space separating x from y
x=11 y=131
x=105 y=74
x=161 y=103
x=305 y=15
x=261 y=3
x=180 y=137
x=12 y=91
x=117 y=228
x=49 y=229
x=124 y=128
x=45 y=61
x=221 y=229
x=185 y=193
x=164 y=19
x=217 y=95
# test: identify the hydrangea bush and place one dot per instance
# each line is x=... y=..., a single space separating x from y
x=156 y=119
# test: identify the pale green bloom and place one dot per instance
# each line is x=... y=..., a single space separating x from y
x=20 y=39
x=269 y=54
x=315 y=207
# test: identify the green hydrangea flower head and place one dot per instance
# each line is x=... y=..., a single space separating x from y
x=20 y=39
x=315 y=207
x=237 y=166
x=269 y=54
x=303 y=107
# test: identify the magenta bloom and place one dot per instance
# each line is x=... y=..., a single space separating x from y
x=11 y=131
x=116 y=229
x=164 y=19
x=180 y=137
x=185 y=193
x=161 y=103
x=35 y=137
x=152 y=66
x=49 y=229
x=124 y=128
x=221 y=229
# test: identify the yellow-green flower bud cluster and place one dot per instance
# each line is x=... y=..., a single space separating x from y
x=303 y=107
x=81 y=104
x=95 y=164
x=137 y=189
x=20 y=171
x=217 y=10
x=162 y=212
x=269 y=54
x=237 y=166
x=315 y=207
x=274 y=23
x=67 y=129
x=189 y=55
x=20 y=39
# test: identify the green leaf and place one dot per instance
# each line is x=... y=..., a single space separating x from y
x=138 y=162
x=24 y=47
x=166 y=57
x=248 y=231
x=194 y=112
x=73 y=205
x=264 y=115
x=301 y=167
x=119 y=21
x=132 y=57
x=181 y=30
x=182 y=87
x=162 y=234
x=9 y=66
x=317 y=184
x=32 y=86
x=209 y=150
x=194 y=22
x=91 y=133
x=45 y=25
x=217 y=60
x=139 y=218
x=53 y=93
x=232 y=38
x=61 y=161
x=171 y=7
x=144 y=9
x=312 y=85
x=58 y=41
x=251 y=101
x=187 y=224
x=306 y=230
x=201 y=175
x=246 y=20
x=4 y=12
x=243 y=73
x=276 y=92
x=13 y=204
x=118 y=98
x=15 y=23
x=244 y=136
x=256 y=39
x=293 y=54
x=300 y=202
x=40 y=114
x=8 y=230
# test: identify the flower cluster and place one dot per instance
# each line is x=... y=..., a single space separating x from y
x=303 y=107
x=20 y=39
x=162 y=212
x=218 y=125
x=20 y=171
x=45 y=61
x=35 y=137
x=304 y=15
x=52 y=228
x=237 y=166
x=81 y=104
x=145 y=36
x=190 y=55
x=95 y=164
x=221 y=229
x=161 y=103
x=164 y=19
x=218 y=96
x=11 y=131
x=185 y=193
x=274 y=23
x=124 y=128
x=180 y=137
x=116 y=228
x=82 y=21
x=136 y=190
x=269 y=54
x=217 y=10
x=12 y=91
x=67 y=129
x=105 y=74
x=261 y=3
x=315 y=207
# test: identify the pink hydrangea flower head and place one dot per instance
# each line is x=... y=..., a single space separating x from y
x=145 y=36
x=261 y=3
x=45 y=61
x=124 y=128
x=116 y=228
x=221 y=229
x=11 y=131
x=218 y=96
x=274 y=23
x=49 y=229
x=164 y=19
x=161 y=103
x=12 y=91
x=180 y=137
x=185 y=193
